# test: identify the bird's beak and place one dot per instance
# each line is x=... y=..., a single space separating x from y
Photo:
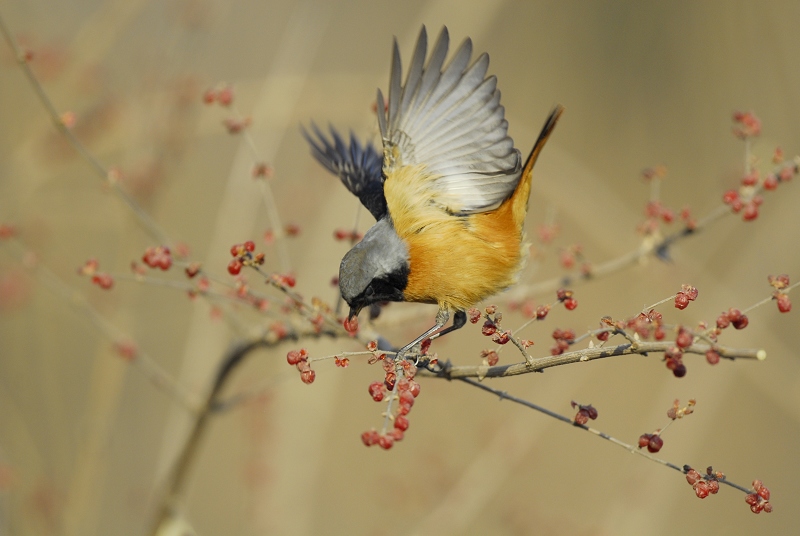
x=353 y=313
x=351 y=322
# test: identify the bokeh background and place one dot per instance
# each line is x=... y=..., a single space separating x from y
x=86 y=439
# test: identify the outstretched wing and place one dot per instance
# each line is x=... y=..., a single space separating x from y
x=450 y=121
x=359 y=168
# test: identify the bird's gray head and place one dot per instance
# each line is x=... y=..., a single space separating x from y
x=376 y=269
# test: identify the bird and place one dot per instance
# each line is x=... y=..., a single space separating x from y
x=449 y=191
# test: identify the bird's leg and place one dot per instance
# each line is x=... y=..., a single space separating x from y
x=459 y=319
x=442 y=316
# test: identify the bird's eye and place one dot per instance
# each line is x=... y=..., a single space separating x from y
x=369 y=291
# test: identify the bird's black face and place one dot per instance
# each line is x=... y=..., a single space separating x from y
x=388 y=287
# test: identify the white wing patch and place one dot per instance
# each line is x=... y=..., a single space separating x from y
x=450 y=120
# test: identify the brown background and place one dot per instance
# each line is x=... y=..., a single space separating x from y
x=85 y=438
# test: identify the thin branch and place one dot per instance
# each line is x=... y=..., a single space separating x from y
x=588 y=354
x=503 y=395
x=100 y=170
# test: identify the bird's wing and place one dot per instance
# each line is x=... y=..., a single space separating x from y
x=449 y=119
x=359 y=168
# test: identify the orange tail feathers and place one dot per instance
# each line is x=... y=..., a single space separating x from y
x=520 y=196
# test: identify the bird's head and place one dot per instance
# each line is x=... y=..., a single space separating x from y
x=376 y=269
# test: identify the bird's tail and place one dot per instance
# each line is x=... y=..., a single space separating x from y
x=521 y=194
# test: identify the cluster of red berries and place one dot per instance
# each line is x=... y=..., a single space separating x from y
x=101 y=279
x=653 y=441
x=299 y=358
x=780 y=283
x=290 y=230
x=222 y=95
x=280 y=280
x=687 y=294
x=566 y=297
x=158 y=257
x=491 y=327
x=405 y=390
x=673 y=358
x=563 y=338
x=734 y=317
x=243 y=256
x=644 y=325
x=759 y=499
x=747 y=125
x=584 y=413
x=351 y=235
x=748 y=207
x=703 y=485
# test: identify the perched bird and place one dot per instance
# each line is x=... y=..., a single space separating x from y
x=449 y=193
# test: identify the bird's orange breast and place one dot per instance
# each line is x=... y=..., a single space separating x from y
x=455 y=261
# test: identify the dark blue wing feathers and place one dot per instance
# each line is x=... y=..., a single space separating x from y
x=357 y=166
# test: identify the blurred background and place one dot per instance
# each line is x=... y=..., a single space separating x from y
x=86 y=439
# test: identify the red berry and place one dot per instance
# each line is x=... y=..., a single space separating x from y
x=370 y=438
x=655 y=443
x=501 y=337
x=741 y=322
x=293 y=357
x=541 y=312
x=701 y=489
x=250 y=246
x=570 y=303
x=581 y=418
x=784 y=305
x=730 y=196
x=603 y=336
x=712 y=357
x=684 y=339
x=644 y=440
x=225 y=96
x=234 y=267
x=681 y=301
x=474 y=315
x=679 y=371
x=692 y=476
x=713 y=487
x=763 y=492
x=386 y=442
x=751 y=499
x=308 y=376
x=376 y=391
x=756 y=508
x=209 y=96
x=690 y=291
x=236 y=250
x=723 y=321
x=488 y=328
x=770 y=182
x=401 y=422
x=750 y=212
x=104 y=281
x=659 y=334
x=768 y=508
x=351 y=325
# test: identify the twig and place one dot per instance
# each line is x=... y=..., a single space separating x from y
x=503 y=395
x=587 y=354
